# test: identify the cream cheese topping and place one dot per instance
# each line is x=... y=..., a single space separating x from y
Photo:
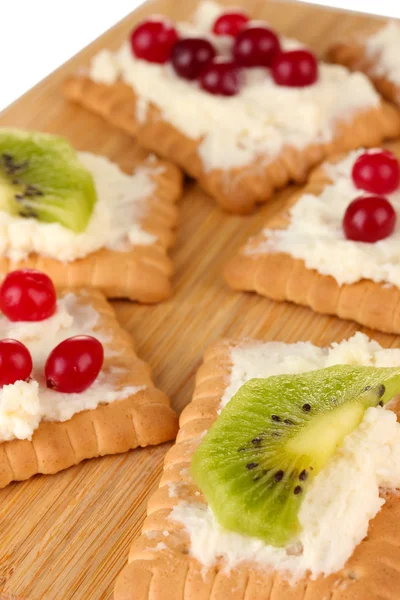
x=342 y=498
x=24 y=405
x=259 y=121
x=384 y=48
x=114 y=224
x=315 y=233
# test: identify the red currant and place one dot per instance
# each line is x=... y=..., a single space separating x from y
x=377 y=172
x=15 y=362
x=221 y=78
x=230 y=23
x=369 y=219
x=296 y=68
x=28 y=295
x=256 y=47
x=74 y=364
x=152 y=40
x=189 y=57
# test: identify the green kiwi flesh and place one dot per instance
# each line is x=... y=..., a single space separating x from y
x=41 y=177
x=256 y=462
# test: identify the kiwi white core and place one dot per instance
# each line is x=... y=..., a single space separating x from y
x=115 y=222
x=343 y=497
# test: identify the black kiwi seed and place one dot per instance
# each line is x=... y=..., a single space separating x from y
x=288 y=422
x=242 y=449
x=20 y=166
x=19 y=197
x=380 y=403
x=251 y=466
x=278 y=476
x=28 y=212
x=366 y=389
x=306 y=407
x=303 y=475
x=32 y=190
x=256 y=441
x=381 y=390
x=276 y=418
x=297 y=490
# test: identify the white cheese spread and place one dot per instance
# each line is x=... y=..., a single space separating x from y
x=114 y=224
x=259 y=121
x=315 y=233
x=23 y=405
x=384 y=48
x=342 y=498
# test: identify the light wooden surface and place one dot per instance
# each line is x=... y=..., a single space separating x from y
x=67 y=536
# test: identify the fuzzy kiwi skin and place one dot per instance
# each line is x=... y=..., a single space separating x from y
x=256 y=462
x=41 y=177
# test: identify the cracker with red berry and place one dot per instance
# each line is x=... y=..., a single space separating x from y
x=240 y=108
x=335 y=245
x=374 y=51
x=72 y=386
x=82 y=220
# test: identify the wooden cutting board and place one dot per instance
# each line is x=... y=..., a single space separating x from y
x=67 y=536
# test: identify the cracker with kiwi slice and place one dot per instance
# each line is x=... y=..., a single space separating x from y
x=160 y=559
x=42 y=178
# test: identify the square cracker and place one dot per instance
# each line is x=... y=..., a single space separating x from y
x=282 y=277
x=350 y=51
x=237 y=190
x=142 y=273
x=146 y=418
x=160 y=567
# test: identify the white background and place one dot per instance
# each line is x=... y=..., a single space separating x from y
x=37 y=36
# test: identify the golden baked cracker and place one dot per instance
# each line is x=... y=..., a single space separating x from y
x=143 y=419
x=236 y=190
x=160 y=567
x=350 y=51
x=142 y=273
x=282 y=277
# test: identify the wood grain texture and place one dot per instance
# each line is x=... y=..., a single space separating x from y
x=67 y=536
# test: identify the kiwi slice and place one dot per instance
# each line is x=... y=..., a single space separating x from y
x=41 y=177
x=257 y=460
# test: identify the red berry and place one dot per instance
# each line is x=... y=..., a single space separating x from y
x=221 y=78
x=153 y=40
x=189 y=57
x=28 y=295
x=74 y=364
x=377 y=172
x=230 y=23
x=369 y=219
x=15 y=362
x=297 y=68
x=256 y=47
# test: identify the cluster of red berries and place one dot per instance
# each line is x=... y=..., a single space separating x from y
x=372 y=218
x=73 y=365
x=195 y=58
